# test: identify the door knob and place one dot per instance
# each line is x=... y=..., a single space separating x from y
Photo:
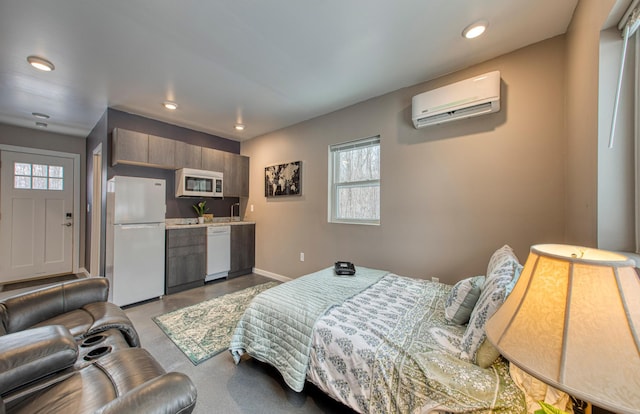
x=69 y=224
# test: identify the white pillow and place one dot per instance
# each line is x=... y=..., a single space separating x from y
x=499 y=258
x=500 y=272
x=462 y=299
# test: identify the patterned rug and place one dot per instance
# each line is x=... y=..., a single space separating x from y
x=204 y=329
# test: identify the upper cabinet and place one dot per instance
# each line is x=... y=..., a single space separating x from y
x=236 y=175
x=130 y=147
x=137 y=148
x=212 y=159
x=162 y=152
x=188 y=156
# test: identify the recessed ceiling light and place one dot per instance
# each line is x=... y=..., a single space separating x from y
x=239 y=127
x=41 y=124
x=40 y=115
x=40 y=63
x=475 y=29
x=172 y=106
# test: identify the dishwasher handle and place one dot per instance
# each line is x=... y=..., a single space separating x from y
x=214 y=230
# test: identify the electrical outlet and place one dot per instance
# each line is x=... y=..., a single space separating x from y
x=435 y=279
x=301 y=257
x=252 y=208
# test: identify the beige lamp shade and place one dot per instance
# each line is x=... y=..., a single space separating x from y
x=573 y=321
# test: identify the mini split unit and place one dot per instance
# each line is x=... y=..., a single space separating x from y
x=471 y=97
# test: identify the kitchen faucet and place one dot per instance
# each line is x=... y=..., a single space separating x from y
x=232 y=206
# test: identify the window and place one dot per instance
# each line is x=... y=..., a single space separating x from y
x=38 y=176
x=354 y=182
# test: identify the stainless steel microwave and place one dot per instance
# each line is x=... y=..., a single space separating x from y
x=198 y=183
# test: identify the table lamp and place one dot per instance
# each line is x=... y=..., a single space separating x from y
x=573 y=322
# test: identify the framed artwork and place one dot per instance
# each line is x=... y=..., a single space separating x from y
x=283 y=179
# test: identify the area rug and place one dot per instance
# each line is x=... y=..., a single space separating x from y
x=204 y=330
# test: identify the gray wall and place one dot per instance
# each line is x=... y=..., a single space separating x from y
x=41 y=139
x=450 y=194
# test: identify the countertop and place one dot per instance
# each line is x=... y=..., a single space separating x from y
x=172 y=224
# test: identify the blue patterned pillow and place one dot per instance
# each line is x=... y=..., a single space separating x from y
x=513 y=282
x=462 y=299
x=500 y=272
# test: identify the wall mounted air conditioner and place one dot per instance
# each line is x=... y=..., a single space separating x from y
x=471 y=97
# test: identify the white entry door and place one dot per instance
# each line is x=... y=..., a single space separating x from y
x=36 y=221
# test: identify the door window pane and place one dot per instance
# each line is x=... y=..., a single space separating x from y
x=55 y=183
x=38 y=176
x=39 y=170
x=39 y=183
x=55 y=171
x=22 y=182
x=21 y=168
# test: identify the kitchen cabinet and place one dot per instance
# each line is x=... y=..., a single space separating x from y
x=162 y=152
x=236 y=175
x=188 y=156
x=186 y=259
x=129 y=147
x=212 y=159
x=137 y=148
x=243 y=249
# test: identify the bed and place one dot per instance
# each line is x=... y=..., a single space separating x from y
x=383 y=343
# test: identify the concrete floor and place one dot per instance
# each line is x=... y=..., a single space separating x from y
x=223 y=387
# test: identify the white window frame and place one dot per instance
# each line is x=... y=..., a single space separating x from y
x=637 y=137
x=334 y=149
x=629 y=28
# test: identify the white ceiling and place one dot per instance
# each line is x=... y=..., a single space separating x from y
x=267 y=64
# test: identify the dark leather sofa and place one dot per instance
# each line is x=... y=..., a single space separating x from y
x=65 y=349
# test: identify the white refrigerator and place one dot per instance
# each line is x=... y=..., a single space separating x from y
x=135 y=239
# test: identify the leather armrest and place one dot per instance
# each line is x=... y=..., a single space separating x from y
x=170 y=393
x=33 y=354
x=107 y=315
x=25 y=310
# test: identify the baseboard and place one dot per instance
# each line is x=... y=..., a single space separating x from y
x=271 y=275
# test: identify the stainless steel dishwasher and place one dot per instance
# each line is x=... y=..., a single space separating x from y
x=218 y=252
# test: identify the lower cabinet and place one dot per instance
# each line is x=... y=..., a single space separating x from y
x=186 y=259
x=243 y=249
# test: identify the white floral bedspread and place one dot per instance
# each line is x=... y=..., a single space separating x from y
x=390 y=350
